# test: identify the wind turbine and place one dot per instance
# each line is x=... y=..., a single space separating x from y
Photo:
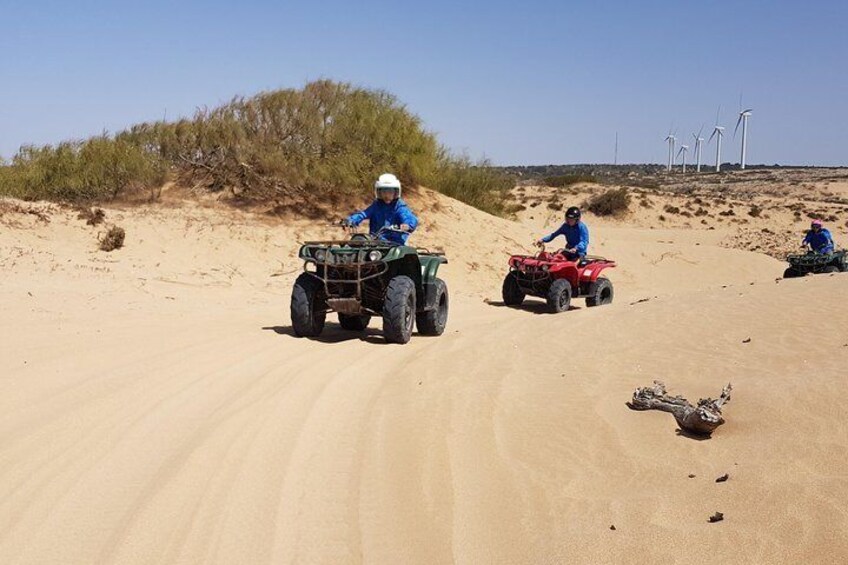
x=743 y=119
x=671 y=139
x=683 y=149
x=698 y=141
x=720 y=131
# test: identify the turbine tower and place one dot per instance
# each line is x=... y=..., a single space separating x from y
x=698 y=142
x=683 y=149
x=743 y=119
x=671 y=139
x=720 y=131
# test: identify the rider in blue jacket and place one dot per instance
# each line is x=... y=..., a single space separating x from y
x=387 y=210
x=576 y=235
x=819 y=239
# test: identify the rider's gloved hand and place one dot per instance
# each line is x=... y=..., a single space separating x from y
x=405 y=227
x=345 y=223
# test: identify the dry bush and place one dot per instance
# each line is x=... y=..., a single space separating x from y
x=610 y=203
x=92 y=216
x=669 y=209
x=112 y=239
x=755 y=211
x=40 y=211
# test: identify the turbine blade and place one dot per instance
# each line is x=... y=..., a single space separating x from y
x=749 y=110
x=712 y=136
x=700 y=131
x=739 y=121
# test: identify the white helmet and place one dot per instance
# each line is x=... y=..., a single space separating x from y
x=387 y=180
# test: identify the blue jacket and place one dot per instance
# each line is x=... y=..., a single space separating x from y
x=379 y=214
x=821 y=242
x=576 y=236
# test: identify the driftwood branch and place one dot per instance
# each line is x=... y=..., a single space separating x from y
x=702 y=419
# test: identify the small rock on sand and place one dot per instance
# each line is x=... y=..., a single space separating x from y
x=717 y=517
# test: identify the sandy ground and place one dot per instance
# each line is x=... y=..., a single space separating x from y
x=157 y=408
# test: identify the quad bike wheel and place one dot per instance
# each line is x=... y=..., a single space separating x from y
x=433 y=322
x=791 y=273
x=353 y=322
x=559 y=296
x=399 y=310
x=602 y=295
x=307 y=306
x=831 y=269
x=511 y=292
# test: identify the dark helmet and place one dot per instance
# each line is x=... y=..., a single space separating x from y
x=573 y=213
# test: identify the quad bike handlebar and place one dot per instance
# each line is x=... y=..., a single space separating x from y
x=353 y=231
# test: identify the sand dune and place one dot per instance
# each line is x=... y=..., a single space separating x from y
x=157 y=408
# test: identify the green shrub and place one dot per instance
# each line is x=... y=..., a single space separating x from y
x=610 y=203
x=327 y=140
x=476 y=184
x=97 y=169
x=325 y=137
x=559 y=181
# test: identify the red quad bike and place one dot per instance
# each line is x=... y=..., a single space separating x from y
x=557 y=279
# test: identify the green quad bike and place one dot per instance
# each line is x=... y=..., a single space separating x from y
x=805 y=263
x=365 y=276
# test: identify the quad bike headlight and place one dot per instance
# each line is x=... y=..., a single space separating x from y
x=320 y=255
x=375 y=255
x=546 y=268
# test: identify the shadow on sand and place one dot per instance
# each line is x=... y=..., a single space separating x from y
x=683 y=433
x=530 y=307
x=333 y=333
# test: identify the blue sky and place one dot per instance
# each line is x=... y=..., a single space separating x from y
x=529 y=82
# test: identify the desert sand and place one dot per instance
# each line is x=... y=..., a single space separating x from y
x=157 y=408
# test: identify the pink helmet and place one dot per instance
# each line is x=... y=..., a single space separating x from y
x=816 y=223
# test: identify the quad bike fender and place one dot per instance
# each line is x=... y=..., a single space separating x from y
x=589 y=276
x=591 y=272
x=429 y=269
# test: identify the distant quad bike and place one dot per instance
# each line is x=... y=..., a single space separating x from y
x=558 y=280
x=364 y=276
x=806 y=263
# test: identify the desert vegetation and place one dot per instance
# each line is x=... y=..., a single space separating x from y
x=610 y=203
x=326 y=139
